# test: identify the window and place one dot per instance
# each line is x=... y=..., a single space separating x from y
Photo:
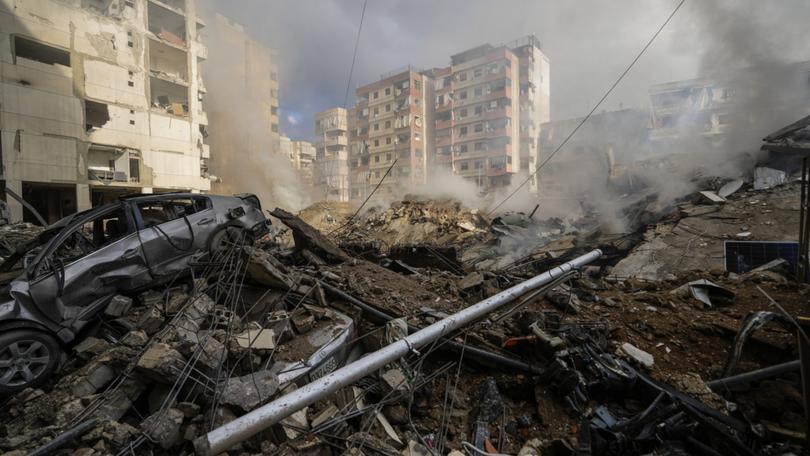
x=465 y=166
x=462 y=113
x=377 y=160
x=440 y=100
x=376 y=143
x=416 y=84
x=274 y=110
x=477 y=73
x=388 y=107
x=462 y=76
x=39 y=52
x=376 y=95
x=479 y=128
x=479 y=164
x=376 y=110
x=405 y=84
x=387 y=124
x=376 y=126
x=388 y=157
x=93 y=235
x=388 y=90
x=479 y=91
x=478 y=110
x=162 y=211
x=462 y=95
x=417 y=136
x=479 y=146
x=462 y=131
x=388 y=140
x=462 y=149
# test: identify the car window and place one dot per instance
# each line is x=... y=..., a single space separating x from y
x=93 y=235
x=165 y=210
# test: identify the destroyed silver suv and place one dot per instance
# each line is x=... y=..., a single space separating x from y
x=70 y=272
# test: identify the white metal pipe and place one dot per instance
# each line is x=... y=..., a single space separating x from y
x=242 y=428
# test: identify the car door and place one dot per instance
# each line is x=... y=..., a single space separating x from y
x=96 y=257
x=173 y=230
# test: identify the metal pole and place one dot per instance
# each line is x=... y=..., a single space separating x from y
x=242 y=428
x=754 y=376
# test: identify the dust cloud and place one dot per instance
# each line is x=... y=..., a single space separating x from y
x=245 y=153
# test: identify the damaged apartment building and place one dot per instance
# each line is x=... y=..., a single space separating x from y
x=478 y=118
x=330 y=170
x=490 y=103
x=100 y=98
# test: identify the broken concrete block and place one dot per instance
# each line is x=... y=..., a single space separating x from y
x=118 y=306
x=163 y=427
x=249 y=391
x=471 y=280
x=395 y=379
x=151 y=320
x=307 y=237
x=302 y=321
x=295 y=424
x=93 y=381
x=90 y=347
x=120 y=401
x=135 y=339
x=265 y=269
x=325 y=415
x=638 y=355
x=161 y=363
x=257 y=338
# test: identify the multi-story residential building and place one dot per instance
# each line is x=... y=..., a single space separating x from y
x=330 y=169
x=302 y=157
x=392 y=122
x=243 y=107
x=489 y=104
x=753 y=101
x=100 y=98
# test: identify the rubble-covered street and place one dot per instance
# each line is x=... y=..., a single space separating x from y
x=621 y=357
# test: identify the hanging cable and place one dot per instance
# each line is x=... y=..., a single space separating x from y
x=599 y=103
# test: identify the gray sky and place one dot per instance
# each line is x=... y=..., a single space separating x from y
x=589 y=43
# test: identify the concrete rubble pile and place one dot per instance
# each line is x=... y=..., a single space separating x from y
x=598 y=361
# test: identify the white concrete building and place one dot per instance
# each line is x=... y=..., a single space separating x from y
x=100 y=98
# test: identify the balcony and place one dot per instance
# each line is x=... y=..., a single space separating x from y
x=443 y=159
x=444 y=108
x=498 y=113
x=200 y=50
x=335 y=141
x=495 y=94
x=442 y=124
x=493 y=171
x=444 y=141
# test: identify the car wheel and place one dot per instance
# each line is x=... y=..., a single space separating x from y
x=27 y=359
x=225 y=238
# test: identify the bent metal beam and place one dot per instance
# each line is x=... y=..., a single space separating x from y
x=242 y=428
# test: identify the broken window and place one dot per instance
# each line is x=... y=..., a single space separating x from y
x=162 y=211
x=168 y=96
x=167 y=25
x=96 y=114
x=134 y=169
x=39 y=52
x=93 y=235
x=167 y=62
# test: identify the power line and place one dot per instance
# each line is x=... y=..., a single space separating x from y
x=366 y=200
x=585 y=119
x=354 y=56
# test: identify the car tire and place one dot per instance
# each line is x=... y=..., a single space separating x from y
x=27 y=359
x=219 y=241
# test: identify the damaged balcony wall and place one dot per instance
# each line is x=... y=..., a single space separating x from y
x=61 y=57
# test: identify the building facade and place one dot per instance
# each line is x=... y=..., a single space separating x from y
x=302 y=156
x=100 y=98
x=330 y=169
x=243 y=107
x=392 y=122
x=489 y=104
